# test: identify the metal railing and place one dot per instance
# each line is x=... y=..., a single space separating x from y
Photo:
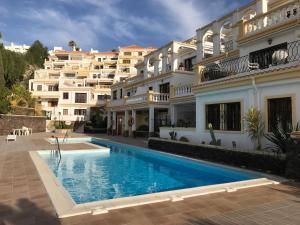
x=263 y=59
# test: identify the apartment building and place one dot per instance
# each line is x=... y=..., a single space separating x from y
x=73 y=82
x=248 y=58
x=141 y=104
x=17 y=48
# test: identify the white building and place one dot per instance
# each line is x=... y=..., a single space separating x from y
x=73 y=82
x=248 y=58
x=17 y=48
x=141 y=104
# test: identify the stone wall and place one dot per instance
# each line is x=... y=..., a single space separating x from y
x=10 y=122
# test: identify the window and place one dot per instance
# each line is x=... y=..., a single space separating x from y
x=279 y=113
x=114 y=95
x=102 y=97
x=225 y=116
x=128 y=94
x=65 y=112
x=80 y=112
x=189 y=63
x=213 y=116
x=125 y=70
x=31 y=86
x=39 y=87
x=126 y=61
x=80 y=98
x=66 y=95
x=127 y=53
x=53 y=88
x=140 y=53
x=269 y=56
x=53 y=103
x=150 y=88
x=164 y=88
x=121 y=93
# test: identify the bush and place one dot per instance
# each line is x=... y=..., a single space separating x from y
x=184 y=139
x=219 y=154
x=62 y=125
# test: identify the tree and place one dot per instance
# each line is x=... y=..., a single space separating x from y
x=14 y=65
x=37 y=54
x=255 y=125
x=21 y=97
x=4 y=102
x=72 y=45
x=2 y=80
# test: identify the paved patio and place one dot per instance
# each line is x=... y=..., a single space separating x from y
x=24 y=200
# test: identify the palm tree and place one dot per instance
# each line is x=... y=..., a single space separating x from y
x=72 y=45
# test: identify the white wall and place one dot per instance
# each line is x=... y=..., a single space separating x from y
x=189 y=133
x=248 y=98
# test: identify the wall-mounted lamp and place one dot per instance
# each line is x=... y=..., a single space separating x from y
x=270 y=41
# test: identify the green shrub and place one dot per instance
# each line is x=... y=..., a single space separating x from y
x=62 y=125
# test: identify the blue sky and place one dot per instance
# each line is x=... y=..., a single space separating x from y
x=107 y=24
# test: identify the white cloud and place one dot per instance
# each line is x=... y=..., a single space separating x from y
x=101 y=20
x=185 y=14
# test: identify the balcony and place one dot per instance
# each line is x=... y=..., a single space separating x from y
x=46 y=94
x=150 y=98
x=135 y=79
x=117 y=102
x=137 y=99
x=269 y=58
x=183 y=90
x=287 y=12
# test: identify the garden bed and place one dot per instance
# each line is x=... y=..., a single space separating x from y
x=251 y=160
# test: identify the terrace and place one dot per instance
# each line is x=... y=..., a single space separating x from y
x=266 y=59
x=24 y=198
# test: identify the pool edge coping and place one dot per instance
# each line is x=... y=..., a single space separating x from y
x=65 y=206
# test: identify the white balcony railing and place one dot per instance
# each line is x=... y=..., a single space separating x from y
x=183 y=90
x=159 y=97
x=137 y=99
x=117 y=102
x=284 y=13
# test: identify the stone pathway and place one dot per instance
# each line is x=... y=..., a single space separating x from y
x=24 y=200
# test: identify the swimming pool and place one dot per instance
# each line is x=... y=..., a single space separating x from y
x=125 y=171
x=118 y=176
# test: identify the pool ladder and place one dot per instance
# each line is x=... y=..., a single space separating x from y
x=57 y=151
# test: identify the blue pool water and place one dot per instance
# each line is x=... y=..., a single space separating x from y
x=129 y=171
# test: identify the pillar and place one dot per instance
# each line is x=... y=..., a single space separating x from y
x=114 y=120
x=156 y=67
x=164 y=61
x=200 y=48
x=151 y=121
x=216 y=39
x=173 y=115
x=217 y=42
x=126 y=120
x=261 y=6
x=109 y=119
x=133 y=114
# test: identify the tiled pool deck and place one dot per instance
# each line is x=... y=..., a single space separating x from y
x=23 y=198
